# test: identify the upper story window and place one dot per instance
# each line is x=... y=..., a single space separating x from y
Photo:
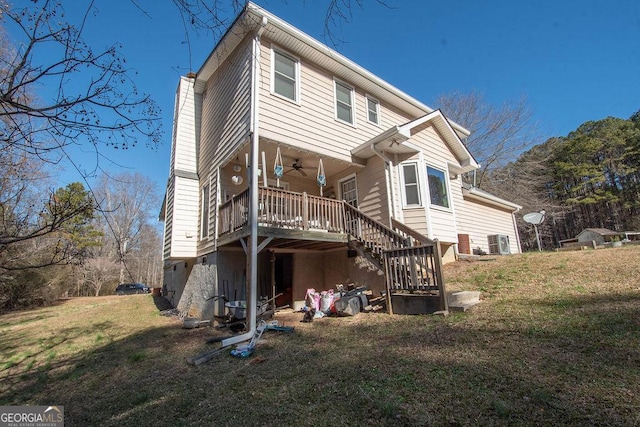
x=410 y=183
x=286 y=71
x=437 y=187
x=344 y=103
x=204 y=212
x=373 y=111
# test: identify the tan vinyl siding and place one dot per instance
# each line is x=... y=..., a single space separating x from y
x=184 y=224
x=226 y=116
x=443 y=225
x=168 y=219
x=180 y=201
x=480 y=220
x=184 y=156
x=226 y=109
x=372 y=190
x=310 y=123
x=416 y=219
x=207 y=244
x=436 y=151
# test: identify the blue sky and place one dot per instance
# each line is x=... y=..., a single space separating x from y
x=573 y=61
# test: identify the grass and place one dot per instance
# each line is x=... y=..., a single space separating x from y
x=555 y=341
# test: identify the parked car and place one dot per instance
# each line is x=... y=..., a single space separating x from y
x=132 y=288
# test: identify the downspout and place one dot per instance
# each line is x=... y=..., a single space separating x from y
x=391 y=206
x=252 y=297
x=515 y=228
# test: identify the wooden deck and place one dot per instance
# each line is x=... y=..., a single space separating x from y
x=411 y=262
x=293 y=220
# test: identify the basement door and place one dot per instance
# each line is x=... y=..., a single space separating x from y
x=284 y=279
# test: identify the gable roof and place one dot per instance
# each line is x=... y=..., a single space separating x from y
x=393 y=141
x=289 y=37
x=600 y=231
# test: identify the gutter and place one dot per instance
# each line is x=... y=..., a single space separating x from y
x=252 y=294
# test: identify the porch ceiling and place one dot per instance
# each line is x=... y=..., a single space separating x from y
x=290 y=155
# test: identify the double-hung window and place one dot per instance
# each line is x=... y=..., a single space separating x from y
x=373 y=111
x=411 y=186
x=437 y=187
x=204 y=213
x=344 y=103
x=286 y=80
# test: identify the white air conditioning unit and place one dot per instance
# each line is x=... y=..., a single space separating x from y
x=499 y=244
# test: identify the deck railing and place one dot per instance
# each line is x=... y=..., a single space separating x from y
x=283 y=209
x=233 y=214
x=374 y=235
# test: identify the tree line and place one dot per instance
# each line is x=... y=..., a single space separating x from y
x=587 y=179
x=73 y=241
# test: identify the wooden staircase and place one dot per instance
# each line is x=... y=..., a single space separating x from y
x=412 y=262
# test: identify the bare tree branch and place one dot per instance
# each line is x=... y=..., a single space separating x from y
x=101 y=107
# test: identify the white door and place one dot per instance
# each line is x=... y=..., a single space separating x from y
x=350 y=195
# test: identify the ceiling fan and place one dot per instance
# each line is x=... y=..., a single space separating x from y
x=297 y=166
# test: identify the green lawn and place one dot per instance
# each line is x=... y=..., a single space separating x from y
x=555 y=341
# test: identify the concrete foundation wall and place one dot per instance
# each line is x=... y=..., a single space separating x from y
x=190 y=286
x=174 y=280
x=200 y=287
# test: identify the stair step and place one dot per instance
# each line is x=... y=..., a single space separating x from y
x=463 y=300
x=462 y=307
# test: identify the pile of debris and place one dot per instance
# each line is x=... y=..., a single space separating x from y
x=344 y=301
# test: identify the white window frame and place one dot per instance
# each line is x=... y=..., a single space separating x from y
x=205 y=211
x=446 y=187
x=347 y=178
x=377 y=104
x=352 y=93
x=295 y=59
x=405 y=204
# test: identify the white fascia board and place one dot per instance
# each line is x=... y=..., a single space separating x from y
x=483 y=196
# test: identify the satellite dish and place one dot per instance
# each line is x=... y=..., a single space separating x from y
x=534 y=218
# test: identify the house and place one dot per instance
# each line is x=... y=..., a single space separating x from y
x=292 y=167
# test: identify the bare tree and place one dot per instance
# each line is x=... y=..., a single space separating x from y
x=147 y=263
x=40 y=112
x=97 y=272
x=126 y=201
x=498 y=135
